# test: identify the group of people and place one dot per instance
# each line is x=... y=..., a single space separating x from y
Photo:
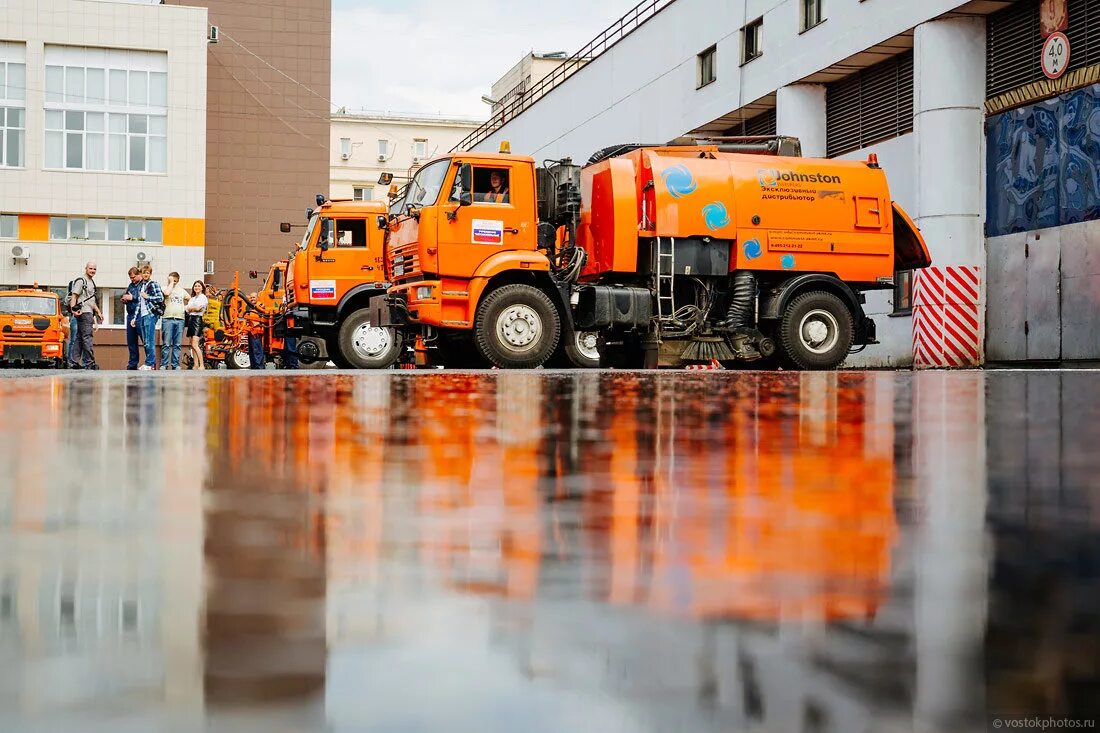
x=179 y=310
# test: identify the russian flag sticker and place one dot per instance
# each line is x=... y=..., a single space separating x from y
x=322 y=289
x=488 y=231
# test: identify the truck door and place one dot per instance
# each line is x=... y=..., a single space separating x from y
x=500 y=215
x=348 y=260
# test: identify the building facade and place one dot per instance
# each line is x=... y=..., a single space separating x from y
x=267 y=126
x=104 y=144
x=521 y=78
x=365 y=145
x=995 y=161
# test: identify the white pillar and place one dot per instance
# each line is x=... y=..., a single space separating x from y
x=949 y=98
x=800 y=112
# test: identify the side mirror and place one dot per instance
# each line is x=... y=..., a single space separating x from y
x=322 y=243
x=252 y=274
x=284 y=227
x=381 y=221
x=385 y=179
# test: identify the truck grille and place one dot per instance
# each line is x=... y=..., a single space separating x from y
x=405 y=261
x=24 y=337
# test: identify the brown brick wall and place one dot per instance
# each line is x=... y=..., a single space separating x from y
x=267 y=138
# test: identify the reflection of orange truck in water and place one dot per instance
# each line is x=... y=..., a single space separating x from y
x=32 y=330
x=794 y=520
x=647 y=255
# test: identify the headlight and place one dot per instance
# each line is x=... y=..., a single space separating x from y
x=424 y=292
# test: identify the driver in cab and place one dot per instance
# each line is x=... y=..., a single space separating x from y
x=498 y=189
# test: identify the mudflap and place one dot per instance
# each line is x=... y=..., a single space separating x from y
x=387 y=311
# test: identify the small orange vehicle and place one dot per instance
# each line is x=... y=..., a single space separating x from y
x=338 y=266
x=32 y=330
x=648 y=255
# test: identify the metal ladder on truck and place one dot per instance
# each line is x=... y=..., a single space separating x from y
x=665 y=268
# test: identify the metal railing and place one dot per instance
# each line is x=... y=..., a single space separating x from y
x=617 y=31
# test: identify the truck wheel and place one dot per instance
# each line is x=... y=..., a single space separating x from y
x=237 y=358
x=332 y=349
x=582 y=349
x=816 y=331
x=364 y=346
x=517 y=326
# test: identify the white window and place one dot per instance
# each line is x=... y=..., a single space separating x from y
x=9 y=226
x=707 y=71
x=363 y=193
x=751 y=40
x=13 y=110
x=812 y=14
x=100 y=229
x=420 y=149
x=383 y=148
x=106 y=109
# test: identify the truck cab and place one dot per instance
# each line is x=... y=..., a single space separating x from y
x=32 y=329
x=337 y=266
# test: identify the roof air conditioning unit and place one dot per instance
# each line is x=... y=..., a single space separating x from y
x=143 y=258
x=19 y=253
x=209 y=268
x=213 y=36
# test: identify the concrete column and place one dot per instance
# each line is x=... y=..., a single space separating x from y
x=800 y=112
x=949 y=97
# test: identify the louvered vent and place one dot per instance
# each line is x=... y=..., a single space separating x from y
x=761 y=124
x=870 y=106
x=1014 y=43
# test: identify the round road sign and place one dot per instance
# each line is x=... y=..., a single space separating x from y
x=1055 y=57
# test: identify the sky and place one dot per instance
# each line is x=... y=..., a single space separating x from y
x=440 y=56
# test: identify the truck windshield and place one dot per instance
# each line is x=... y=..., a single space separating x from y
x=309 y=232
x=28 y=305
x=424 y=187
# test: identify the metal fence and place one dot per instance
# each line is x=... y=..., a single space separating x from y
x=617 y=31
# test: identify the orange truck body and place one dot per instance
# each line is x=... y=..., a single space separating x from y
x=663 y=255
x=338 y=266
x=33 y=331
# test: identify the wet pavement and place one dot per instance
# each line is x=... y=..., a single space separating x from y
x=541 y=551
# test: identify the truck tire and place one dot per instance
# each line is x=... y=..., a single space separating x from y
x=332 y=351
x=816 y=331
x=363 y=346
x=516 y=327
x=237 y=358
x=582 y=349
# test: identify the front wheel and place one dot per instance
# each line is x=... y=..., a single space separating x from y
x=816 y=331
x=237 y=358
x=363 y=346
x=516 y=327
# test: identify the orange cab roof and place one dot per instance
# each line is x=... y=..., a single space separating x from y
x=354 y=207
x=482 y=155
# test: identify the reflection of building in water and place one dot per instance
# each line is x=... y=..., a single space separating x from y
x=100 y=571
x=265 y=546
x=1044 y=515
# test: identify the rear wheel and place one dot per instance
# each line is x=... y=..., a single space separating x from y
x=516 y=327
x=582 y=349
x=816 y=331
x=363 y=346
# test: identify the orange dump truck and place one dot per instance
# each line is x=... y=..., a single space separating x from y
x=32 y=329
x=646 y=256
x=338 y=266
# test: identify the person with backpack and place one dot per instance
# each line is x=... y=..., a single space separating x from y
x=133 y=335
x=150 y=309
x=84 y=309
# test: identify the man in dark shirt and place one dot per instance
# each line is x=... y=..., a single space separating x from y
x=133 y=334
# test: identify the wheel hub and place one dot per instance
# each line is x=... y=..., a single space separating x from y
x=587 y=344
x=370 y=341
x=519 y=326
x=819 y=331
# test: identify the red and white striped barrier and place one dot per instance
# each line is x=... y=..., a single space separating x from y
x=947 y=329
